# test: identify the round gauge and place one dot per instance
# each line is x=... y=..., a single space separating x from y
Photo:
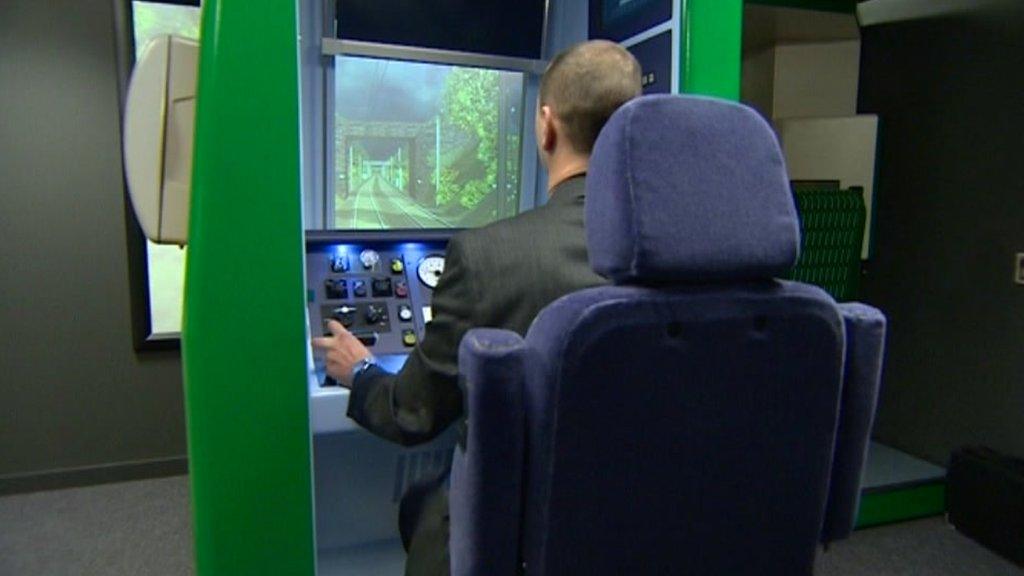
x=369 y=258
x=430 y=269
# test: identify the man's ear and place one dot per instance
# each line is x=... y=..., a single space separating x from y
x=548 y=133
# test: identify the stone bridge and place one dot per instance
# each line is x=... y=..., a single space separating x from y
x=417 y=138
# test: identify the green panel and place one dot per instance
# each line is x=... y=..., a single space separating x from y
x=711 y=46
x=244 y=338
x=846 y=6
x=832 y=232
x=886 y=507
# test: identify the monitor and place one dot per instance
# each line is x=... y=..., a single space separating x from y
x=424 y=146
x=619 y=20
x=493 y=27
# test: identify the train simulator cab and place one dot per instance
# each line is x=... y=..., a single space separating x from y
x=314 y=159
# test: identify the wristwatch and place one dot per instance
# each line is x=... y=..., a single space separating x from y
x=362 y=366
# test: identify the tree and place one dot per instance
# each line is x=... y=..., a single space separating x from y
x=470 y=103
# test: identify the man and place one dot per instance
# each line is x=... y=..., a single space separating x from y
x=499 y=276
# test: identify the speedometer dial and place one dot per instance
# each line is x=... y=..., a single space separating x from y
x=430 y=269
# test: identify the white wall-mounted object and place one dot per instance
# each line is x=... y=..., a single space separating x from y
x=801 y=71
x=159 y=124
x=841 y=149
x=803 y=80
x=817 y=79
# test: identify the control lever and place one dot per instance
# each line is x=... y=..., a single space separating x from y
x=345 y=315
x=367 y=338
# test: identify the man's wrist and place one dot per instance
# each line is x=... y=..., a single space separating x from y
x=361 y=366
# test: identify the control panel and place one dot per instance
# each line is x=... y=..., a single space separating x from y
x=376 y=286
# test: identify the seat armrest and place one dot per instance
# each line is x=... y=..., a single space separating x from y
x=865 y=344
x=487 y=470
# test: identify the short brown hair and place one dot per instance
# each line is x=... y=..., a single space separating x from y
x=586 y=84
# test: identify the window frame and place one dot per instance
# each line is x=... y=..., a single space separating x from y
x=331 y=48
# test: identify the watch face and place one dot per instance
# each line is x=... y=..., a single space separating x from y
x=430 y=269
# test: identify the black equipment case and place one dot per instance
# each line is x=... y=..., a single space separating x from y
x=985 y=499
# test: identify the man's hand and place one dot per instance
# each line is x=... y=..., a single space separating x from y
x=342 y=351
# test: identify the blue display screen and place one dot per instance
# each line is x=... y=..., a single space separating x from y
x=619 y=20
x=496 y=27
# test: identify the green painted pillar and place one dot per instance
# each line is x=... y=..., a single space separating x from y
x=711 y=46
x=244 y=336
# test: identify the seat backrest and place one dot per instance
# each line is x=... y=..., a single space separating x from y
x=688 y=432
x=683 y=420
x=686 y=418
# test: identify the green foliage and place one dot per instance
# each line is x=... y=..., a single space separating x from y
x=152 y=20
x=449 y=189
x=470 y=102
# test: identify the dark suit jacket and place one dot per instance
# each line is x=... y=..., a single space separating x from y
x=499 y=276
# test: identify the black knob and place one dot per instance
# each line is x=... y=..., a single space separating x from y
x=336 y=289
x=375 y=314
x=339 y=263
x=382 y=287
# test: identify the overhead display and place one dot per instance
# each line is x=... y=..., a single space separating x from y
x=495 y=27
x=655 y=58
x=424 y=145
x=618 y=20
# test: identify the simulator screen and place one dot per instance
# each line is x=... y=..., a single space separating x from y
x=424 y=145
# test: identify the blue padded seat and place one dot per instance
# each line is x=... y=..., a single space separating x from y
x=698 y=416
x=685 y=193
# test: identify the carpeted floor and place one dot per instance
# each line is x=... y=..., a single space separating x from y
x=921 y=548
x=135 y=528
x=142 y=529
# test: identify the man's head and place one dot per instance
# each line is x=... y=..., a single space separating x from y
x=580 y=90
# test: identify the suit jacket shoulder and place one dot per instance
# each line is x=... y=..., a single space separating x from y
x=520 y=265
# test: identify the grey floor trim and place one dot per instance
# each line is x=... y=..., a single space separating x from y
x=93 y=475
x=888 y=469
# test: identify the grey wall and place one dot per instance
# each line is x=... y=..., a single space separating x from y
x=950 y=216
x=73 y=393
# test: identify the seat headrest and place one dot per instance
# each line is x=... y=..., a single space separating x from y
x=689 y=189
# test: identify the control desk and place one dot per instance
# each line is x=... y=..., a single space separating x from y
x=379 y=287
